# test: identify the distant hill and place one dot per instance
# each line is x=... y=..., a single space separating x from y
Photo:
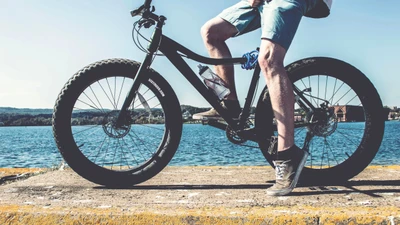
x=25 y=111
x=42 y=117
x=192 y=110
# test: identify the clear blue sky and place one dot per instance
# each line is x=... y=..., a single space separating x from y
x=43 y=43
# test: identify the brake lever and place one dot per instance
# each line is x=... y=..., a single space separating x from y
x=146 y=23
x=137 y=12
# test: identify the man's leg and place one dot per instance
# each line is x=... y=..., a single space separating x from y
x=280 y=89
x=214 y=33
x=280 y=20
x=235 y=20
x=290 y=159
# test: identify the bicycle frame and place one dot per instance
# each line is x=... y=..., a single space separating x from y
x=173 y=51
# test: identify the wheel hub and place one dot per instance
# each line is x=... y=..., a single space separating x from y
x=323 y=122
x=110 y=128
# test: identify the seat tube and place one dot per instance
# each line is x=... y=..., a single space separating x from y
x=250 y=95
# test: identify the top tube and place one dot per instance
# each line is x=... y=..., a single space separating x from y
x=169 y=45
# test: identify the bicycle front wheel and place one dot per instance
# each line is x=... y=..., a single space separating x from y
x=350 y=119
x=85 y=130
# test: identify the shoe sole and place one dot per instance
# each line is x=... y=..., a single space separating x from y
x=295 y=180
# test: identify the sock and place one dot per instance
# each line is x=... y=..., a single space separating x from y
x=288 y=154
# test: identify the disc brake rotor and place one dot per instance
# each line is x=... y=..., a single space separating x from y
x=109 y=126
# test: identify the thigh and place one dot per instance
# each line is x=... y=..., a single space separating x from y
x=280 y=20
x=218 y=28
x=242 y=16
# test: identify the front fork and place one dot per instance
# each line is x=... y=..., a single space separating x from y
x=121 y=120
x=141 y=73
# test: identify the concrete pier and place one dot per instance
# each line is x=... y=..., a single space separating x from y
x=198 y=195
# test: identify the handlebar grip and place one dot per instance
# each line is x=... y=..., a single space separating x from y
x=147 y=4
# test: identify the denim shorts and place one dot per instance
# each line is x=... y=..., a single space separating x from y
x=278 y=19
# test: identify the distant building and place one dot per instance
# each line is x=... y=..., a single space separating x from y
x=393 y=115
x=349 y=113
x=1 y=124
x=298 y=117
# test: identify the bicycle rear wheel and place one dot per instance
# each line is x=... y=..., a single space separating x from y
x=84 y=124
x=347 y=140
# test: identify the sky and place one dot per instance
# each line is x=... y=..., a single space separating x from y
x=43 y=43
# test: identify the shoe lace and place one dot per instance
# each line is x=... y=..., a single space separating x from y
x=280 y=170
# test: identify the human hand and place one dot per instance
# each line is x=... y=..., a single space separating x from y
x=255 y=3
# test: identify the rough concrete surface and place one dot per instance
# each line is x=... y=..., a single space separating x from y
x=202 y=195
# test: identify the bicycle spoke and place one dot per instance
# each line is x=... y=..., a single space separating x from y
x=123 y=154
x=106 y=94
x=318 y=92
x=333 y=95
x=132 y=138
x=134 y=158
x=120 y=91
x=333 y=154
x=311 y=97
x=148 y=126
x=352 y=128
x=344 y=105
x=92 y=102
x=326 y=86
x=115 y=153
x=113 y=98
x=311 y=151
x=105 y=154
x=333 y=92
x=142 y=114
x=88 y=104
x=100 y=147
x=96 y=98
x=309 y=85
x=323 y=156
x=346 y=136
x=344 y=95
x=115 y=92
x=143 y=142
x=111 y=147
x=85 y=130
x=146 y=101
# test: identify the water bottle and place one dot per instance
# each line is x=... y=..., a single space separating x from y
x=214 y=82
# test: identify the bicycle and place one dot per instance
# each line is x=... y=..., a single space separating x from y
x=123 y=143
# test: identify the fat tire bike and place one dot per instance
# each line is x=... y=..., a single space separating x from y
x=118 y=122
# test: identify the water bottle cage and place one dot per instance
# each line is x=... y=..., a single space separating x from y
x=252 y=58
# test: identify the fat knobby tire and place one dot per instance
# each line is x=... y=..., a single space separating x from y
x=79 y=162
x=374 y=119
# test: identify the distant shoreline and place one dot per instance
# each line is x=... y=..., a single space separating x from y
x=24 y=117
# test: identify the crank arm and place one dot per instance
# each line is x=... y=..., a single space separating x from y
x=216 y=124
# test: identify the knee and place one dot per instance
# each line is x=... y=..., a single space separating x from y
x=270 y=62
x=208 y=33
x=211 y=33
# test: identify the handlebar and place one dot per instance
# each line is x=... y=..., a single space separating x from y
x=146 y=11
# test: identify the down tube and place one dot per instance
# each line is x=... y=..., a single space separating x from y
x=188 y=73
